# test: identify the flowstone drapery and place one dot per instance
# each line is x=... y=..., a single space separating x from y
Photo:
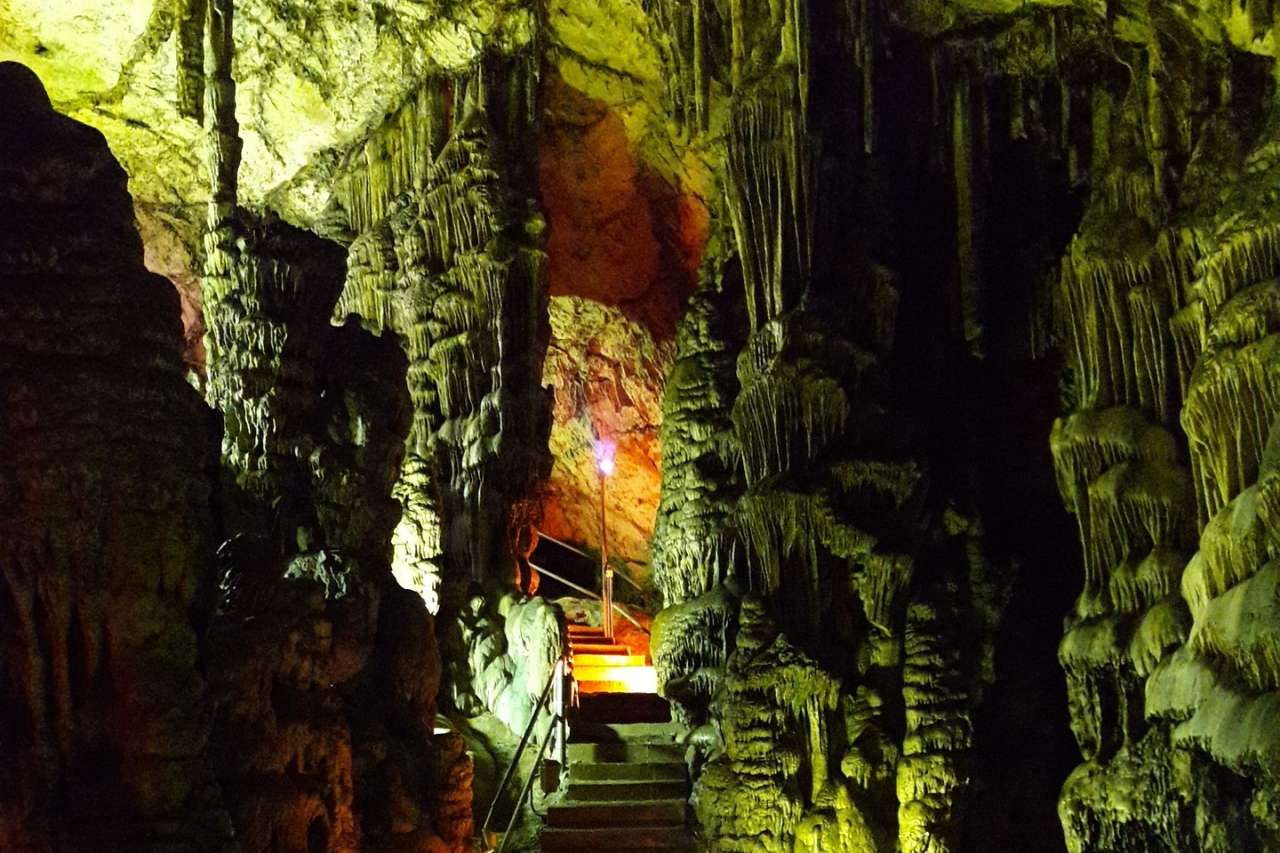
x=449 y=261
x=840 y=713
x=1165 y=302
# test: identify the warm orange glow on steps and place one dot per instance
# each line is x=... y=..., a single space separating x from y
x=616 y=679
x=600 y=666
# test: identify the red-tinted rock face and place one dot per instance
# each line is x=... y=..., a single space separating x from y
x=608 y=373
x=167 y=243
x=618 y=233
x=623 y=252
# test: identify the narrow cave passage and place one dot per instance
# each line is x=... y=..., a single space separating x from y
x=904 y=371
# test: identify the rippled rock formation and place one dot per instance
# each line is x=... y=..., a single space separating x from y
x=103 y=706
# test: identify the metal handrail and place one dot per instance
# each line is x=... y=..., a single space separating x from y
x=585 y=591
x=556 y=671
x=582 y=553
x=528 y=786
x=563 y=544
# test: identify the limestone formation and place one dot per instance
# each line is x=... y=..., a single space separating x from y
x=1164 y=307
x=106 y=736
x=855 y=286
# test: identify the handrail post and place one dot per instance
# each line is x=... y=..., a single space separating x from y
x=606 y=573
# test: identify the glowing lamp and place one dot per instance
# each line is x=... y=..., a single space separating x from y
x=604 y=451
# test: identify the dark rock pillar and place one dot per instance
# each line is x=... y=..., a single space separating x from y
x=105 y=455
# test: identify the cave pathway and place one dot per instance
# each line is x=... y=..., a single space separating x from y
x=628 y=787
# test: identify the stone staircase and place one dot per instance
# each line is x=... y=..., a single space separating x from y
x=627 y=786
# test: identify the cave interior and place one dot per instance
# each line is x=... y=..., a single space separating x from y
x=900 y=370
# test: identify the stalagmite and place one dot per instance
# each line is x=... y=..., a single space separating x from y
x=445 y=260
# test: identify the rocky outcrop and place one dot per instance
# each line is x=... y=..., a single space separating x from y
x=499 y=658
x=324 y=670
x=105 y=739
x=1165 y=310
x=607 y=373
x=449 y=261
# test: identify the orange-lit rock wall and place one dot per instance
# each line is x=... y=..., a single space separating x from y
x=624 y=245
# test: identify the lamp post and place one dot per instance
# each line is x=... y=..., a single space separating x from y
x=604 y=450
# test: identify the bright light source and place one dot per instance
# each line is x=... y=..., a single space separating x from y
x=604 y=451
x=616 y=679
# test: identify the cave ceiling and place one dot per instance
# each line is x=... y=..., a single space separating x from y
x=314 y=77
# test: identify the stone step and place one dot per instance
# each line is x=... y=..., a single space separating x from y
x=581 y=659
x=624 y=753
x=614 y=708
x=687 y=846
x=598 y=687
x=630 y=813
x=598 y=648
x=619 y=771
x=616 y=838
x=599 y=792
x=590 y=741
x=636 y=680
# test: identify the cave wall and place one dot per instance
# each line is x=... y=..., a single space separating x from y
x=102 y=697
x=1150 y=133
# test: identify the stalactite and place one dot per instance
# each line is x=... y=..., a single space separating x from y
x=1241 y=258
x=448 y=260
x=966 y=216
x=1135 y=503
x=1232 y=547
x=785 y=418
x=1095 y=306
x=190 y=51
x=1189 y=327
x=1131 y=190
x=223 y=147
x=769 y=195
x=1164 y=627
x=1249 y=316
x=1087 y=443
x=1239 y=627
x=1180 y=250
x=1234 y=396
x=1149 y=314
x=1117 y=474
